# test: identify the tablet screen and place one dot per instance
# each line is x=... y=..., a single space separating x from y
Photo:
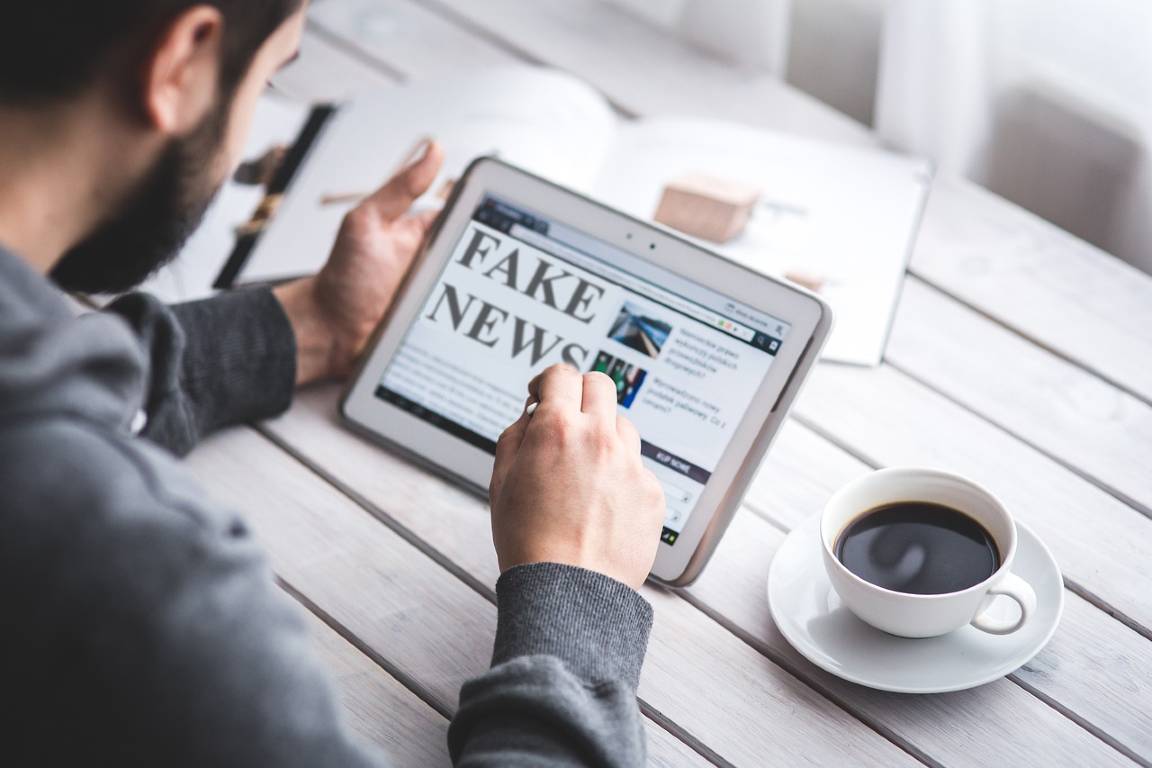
x=522 y=292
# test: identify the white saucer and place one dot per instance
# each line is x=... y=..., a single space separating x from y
x=811 y=617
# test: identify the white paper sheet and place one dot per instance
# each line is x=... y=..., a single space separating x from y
x=541 y=120
x=848 y=215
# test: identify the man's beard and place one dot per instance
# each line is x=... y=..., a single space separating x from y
x=149 y=228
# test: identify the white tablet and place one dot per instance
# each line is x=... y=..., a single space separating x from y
x=520 y=274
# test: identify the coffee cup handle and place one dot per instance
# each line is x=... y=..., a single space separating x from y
x=1019 y=590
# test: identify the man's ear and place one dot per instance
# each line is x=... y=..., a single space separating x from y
x=181 y=74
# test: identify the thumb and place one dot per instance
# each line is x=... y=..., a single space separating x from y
x=393 y=200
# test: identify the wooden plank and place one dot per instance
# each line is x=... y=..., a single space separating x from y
x=1101 y=543
x=1095 y=668
x=1050 y=287
x=746 y=717
x=798 y=485
x=427 y=625
x=1026 y=273
x=379 y=709
x=1090 y=426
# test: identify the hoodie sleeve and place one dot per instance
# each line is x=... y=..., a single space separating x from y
x=211 y=363
x=565 y=666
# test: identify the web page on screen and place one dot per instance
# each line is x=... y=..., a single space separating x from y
x=522 y=292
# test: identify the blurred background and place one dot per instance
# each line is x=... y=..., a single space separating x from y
x=1045 y=102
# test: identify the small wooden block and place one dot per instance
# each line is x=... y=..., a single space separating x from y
x=707 y=207
x=809 y=280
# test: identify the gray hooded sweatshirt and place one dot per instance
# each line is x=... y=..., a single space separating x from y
x=141 y=624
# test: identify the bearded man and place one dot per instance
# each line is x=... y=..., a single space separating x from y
x=142 y=624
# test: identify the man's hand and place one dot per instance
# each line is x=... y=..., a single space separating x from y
x=335 y=312
x=568 y=485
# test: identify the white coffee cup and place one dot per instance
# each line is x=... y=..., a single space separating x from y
x=916 y=615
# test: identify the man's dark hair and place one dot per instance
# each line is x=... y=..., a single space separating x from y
x=53 y=49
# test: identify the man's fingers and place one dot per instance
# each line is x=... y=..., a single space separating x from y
x=599 y=397
x=506 y=449
x=394 y=199
x=424 y=219
x=558 y=387
x=627 y=431
x=409 y=232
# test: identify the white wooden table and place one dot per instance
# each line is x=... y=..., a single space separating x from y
x=1020 y=357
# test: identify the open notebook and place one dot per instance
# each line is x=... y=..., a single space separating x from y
x=844 y=214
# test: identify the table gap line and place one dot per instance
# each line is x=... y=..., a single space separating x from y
x=381 y=516
x=767 y=517
x=452 y=16
x=1070 y=584
x=464 y=23
x=406 y=680
x=1090 y=478
x=1088 y=368
x=356 y=51
x=828 y=436
x=781 y=661
x=1106 y=607
x=1091 y=728
x=489 y=594
x=693 y=743
x=374 y=61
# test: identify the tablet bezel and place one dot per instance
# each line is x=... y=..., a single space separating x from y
x=808 y=317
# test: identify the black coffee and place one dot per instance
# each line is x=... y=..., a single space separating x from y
x=918 y=547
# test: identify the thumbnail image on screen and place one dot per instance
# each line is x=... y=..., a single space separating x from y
x=627 y=377
x=638 y=331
